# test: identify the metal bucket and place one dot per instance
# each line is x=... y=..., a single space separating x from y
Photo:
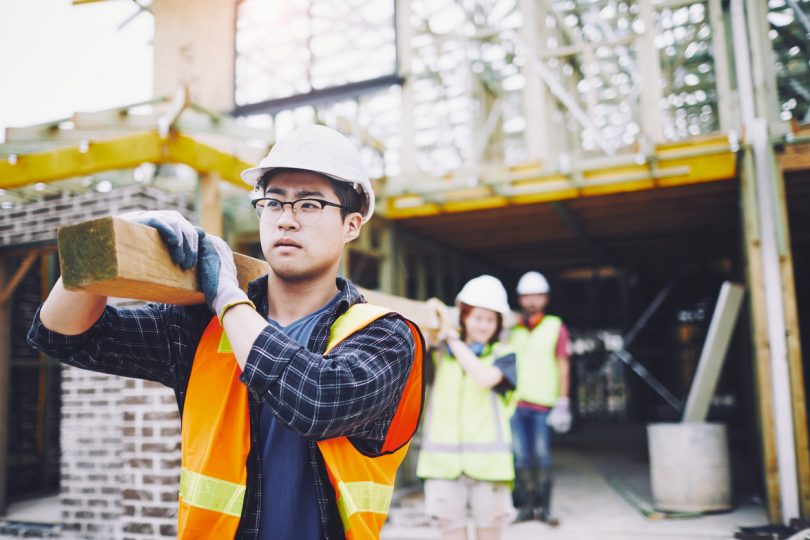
x=689 y=466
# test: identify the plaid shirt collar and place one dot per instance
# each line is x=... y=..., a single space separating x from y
x=348 y=296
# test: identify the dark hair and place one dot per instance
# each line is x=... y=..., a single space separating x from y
x=464 y=311
x=355 y=200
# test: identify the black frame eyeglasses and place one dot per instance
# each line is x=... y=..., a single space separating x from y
x=306 y=211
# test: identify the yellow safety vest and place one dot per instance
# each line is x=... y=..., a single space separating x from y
x=537 y=369
x=466 y=428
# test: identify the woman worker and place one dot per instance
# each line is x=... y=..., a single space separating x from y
x=466 y=456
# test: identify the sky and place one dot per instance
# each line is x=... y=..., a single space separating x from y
x=56 y=59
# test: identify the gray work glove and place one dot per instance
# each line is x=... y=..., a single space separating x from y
x=217 y=273
x=180 y=236
x=560 y=416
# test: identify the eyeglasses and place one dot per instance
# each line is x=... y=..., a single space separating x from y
x=305 y=211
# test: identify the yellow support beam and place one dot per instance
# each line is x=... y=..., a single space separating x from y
x=204 y=158
x=87 y=158
x=120 y=153
x=675 y=164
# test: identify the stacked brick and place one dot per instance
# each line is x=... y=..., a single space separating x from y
x=36 y=222
x=151 y=457
x=120 y=438
x=91 y=465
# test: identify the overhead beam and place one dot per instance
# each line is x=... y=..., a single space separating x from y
x=131 y=151
x=318 y=97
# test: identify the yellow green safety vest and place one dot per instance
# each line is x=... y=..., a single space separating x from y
x=466 y=429
x=537 y=369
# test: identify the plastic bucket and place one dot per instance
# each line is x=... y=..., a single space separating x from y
x=689 y=466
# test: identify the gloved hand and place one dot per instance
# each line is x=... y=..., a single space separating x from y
x=560 y=416
x=179 y=235
x=447 y=329
x=217 y=273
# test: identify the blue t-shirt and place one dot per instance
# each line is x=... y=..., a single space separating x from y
x=289 y=498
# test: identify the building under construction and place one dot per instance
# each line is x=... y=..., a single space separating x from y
x=639 y=153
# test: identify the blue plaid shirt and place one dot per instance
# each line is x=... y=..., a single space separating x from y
x=353 y=391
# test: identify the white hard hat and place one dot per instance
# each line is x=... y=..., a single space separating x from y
x=318 y=149
x=533 y=283
x=485 y=292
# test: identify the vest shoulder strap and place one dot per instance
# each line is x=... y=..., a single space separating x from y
x=356 y=317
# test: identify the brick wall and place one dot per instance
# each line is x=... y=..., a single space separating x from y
x=37 y=221
x=120 y=438
x=120 y=457
x=151 y=457
x=91 y=465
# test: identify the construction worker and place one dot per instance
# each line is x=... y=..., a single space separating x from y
x=466 y=454
x=297 y=415
x=543 y=349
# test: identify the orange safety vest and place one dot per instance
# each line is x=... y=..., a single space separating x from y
x=216 y=441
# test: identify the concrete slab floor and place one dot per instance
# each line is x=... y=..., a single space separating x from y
x=42 y=510
x=588 y=507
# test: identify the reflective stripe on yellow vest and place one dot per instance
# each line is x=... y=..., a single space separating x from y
x=537 y=369
x=466 y=427
x=216 y=430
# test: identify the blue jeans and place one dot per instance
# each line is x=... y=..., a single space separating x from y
x=531 y=439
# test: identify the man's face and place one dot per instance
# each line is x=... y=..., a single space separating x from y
x=299 y=252
x=533 y=303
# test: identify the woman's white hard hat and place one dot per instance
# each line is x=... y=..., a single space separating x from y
x=485 y=292
x=533 y=283
x=318 y=149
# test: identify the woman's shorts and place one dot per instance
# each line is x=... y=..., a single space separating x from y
x=489 y=504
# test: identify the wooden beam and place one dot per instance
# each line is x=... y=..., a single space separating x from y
x=121 y=153
x=11 y=286
x=114 y=257
x=210 y=203
x=794 y=348
x=796 y=157
x=759 y=339
x=5 y=372
x=714 y=353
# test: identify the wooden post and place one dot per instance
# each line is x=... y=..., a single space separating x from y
x=210 y=204
x=759 y=325
x=5 y=373
x=794 y=348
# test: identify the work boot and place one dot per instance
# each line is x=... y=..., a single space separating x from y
x=524 y=494
x=542 y=504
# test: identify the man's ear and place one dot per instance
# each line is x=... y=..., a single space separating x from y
x=351 y=227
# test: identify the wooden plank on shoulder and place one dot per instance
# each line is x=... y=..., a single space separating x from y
x=118 y=258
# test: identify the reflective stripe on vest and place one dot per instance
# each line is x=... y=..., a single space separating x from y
x=211 y=493
x=467 y=427
x=363 y=497
x=216 y=441
x=537 y=369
